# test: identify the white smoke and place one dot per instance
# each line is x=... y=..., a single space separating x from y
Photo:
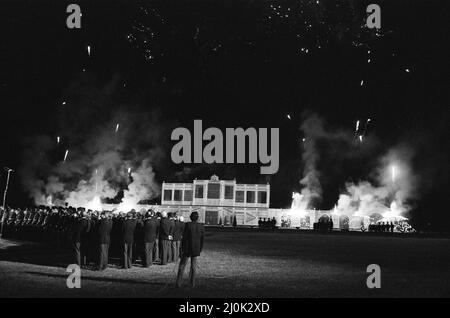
x=142 y=187
x=388 y=195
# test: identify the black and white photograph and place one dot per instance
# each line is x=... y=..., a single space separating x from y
x=225 y=153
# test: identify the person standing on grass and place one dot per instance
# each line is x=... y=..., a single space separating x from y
x=177 y=236
x=103 y=234
x=80 y=228
x=150 y=230
x=128 y=227
x=191 y=247
x=165 y=237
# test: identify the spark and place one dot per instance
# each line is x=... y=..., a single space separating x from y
x=63 y=103
x=117 y=127
x=129 y=170
x=394 y=173
x=89 y=50
x=58 y=139
x=289 y=116
x=407 y=70
x=304 y=139
x=362 y=82
x=360 y=138
x=357 y=126
x=65 y=155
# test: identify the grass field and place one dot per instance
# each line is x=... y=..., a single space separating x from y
x=248 y=264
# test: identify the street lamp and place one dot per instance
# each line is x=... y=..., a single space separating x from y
x=6 y=186
x=4 y=200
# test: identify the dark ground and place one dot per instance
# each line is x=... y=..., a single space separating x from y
x=248 y=264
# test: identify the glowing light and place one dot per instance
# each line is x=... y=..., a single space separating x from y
x=357 y=126
x=407 y=70
x=304 y=139
x=89 y=50
x=63 y=103
x=65 y=155
x=394 y=173
x=129 y=170
x=288 y=116
x=360 y=138
x=117 y=127
x=95 y=204
x=57 y=139
x=298 y=205
x=362 y=82
x=393 y=213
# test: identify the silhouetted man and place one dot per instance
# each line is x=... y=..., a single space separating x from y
x=191 y=246
x=150 y=232
x=81 y=227
x=128 y=227
x=156 y=255
x=177 y=236
x=165 y=236
x=103 y=234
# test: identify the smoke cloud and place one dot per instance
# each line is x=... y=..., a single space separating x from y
x=384 y=182
x=114 y=150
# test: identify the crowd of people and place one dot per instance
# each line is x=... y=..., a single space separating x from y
x=324 y=225
x=153 y=237
x=267 y=223
x=382 y=227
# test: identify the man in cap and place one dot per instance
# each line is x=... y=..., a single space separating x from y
x=150 y=232
x=128 y=227
x=80 y=229
x=165 y=236
x=103 y=234
x=156 y=255
x=177 y=235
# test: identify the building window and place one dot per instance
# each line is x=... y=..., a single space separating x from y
x=167 y=195
x=214 y=191
x=212 y=217
x=177 y=195
x=250 y=196
x=240 y=196
x=229 y=192
x=199 y=192
x=187 y=195
x=262 y=197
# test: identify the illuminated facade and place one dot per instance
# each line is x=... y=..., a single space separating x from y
x=218 y=201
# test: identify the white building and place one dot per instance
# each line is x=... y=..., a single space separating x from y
x=218 y=201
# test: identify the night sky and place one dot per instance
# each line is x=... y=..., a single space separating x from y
x=233 y=63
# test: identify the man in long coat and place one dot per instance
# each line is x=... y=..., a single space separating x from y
x=80 y=228
x=103 y=235
x=191 y=246
x=165 y=236
x=128 y=227
x=177 y=236
x=150 y=229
